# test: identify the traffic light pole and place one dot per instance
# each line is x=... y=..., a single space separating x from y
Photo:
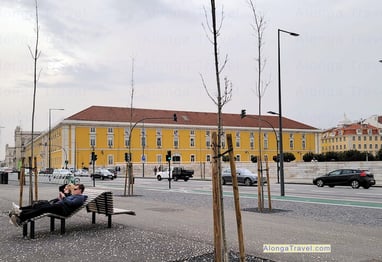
x=169 y=175
x=174 y=117
x=168 y=159
x=94 y=158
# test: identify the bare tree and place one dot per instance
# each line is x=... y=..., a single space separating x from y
x=35 y=56
x=129 y=164
x=220 y=100
x=261 y=85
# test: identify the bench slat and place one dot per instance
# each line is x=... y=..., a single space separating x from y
x=118 y=211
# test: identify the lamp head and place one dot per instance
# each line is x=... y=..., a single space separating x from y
x=272 y=113
x=243 y=113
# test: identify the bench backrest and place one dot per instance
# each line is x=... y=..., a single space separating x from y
x=102 y=204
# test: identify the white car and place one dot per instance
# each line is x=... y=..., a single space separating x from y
x=61 y=173
x=81 y=172
x=164 y=174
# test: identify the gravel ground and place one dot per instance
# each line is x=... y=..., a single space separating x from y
x=232 y=256
x=86 y=242
x=124 y=242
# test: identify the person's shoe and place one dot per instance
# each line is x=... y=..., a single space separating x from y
x=11 y=213
x=16 y=209
x=16 y=221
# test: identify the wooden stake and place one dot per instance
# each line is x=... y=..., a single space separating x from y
x=235 y=189
x=268 y=184
x=35 y=179
x=216 y=200
x=22 y=181
x=259 y=193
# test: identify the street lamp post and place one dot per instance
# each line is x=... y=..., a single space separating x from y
x=282 y=186
x=66 y=155
x=129 y=142
x=143 y=140
x=278 y=153
x=50 y=127
x=243 y=114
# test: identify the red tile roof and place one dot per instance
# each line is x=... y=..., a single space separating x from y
x=122 y=114
x=351 y=129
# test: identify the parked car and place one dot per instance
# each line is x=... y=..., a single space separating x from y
x=113 y=171
x=176 y=174
x=61 y=173
x=102 y=173
x=81 y=172
x=244 y=176
x=46 y=171
x=346 y=177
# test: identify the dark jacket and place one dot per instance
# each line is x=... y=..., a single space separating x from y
x=71 y=203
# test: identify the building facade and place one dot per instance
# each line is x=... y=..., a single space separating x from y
x=148 y=134
x=14 y=155
x=353 y=136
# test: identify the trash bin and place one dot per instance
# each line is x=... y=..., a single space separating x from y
x=3 y=178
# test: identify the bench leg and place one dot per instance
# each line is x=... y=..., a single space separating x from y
x=93 y=217
x=25 y=229
x=51 y=224
x=32 y=230
x=109 y=221
x=62 y=226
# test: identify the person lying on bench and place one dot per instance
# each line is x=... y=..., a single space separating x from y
x=64 y=190
x=63 y=207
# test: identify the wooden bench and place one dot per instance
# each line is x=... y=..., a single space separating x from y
x=100 y=202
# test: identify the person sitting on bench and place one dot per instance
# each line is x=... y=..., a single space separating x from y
x=62 y=207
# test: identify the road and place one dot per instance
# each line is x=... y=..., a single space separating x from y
x=341 y=196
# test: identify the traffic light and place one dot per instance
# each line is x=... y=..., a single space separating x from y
x=168 y=156
x=243 y=113
x=175 y=118
x=94 y=157
x=127 y=158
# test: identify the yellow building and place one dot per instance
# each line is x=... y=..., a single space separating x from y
x=353 y=136
x=106 y=132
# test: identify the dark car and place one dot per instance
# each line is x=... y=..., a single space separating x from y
x=346 y=177
x=46 y=171
x=102 y=173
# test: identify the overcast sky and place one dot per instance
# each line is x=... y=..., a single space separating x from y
x=87 y=48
